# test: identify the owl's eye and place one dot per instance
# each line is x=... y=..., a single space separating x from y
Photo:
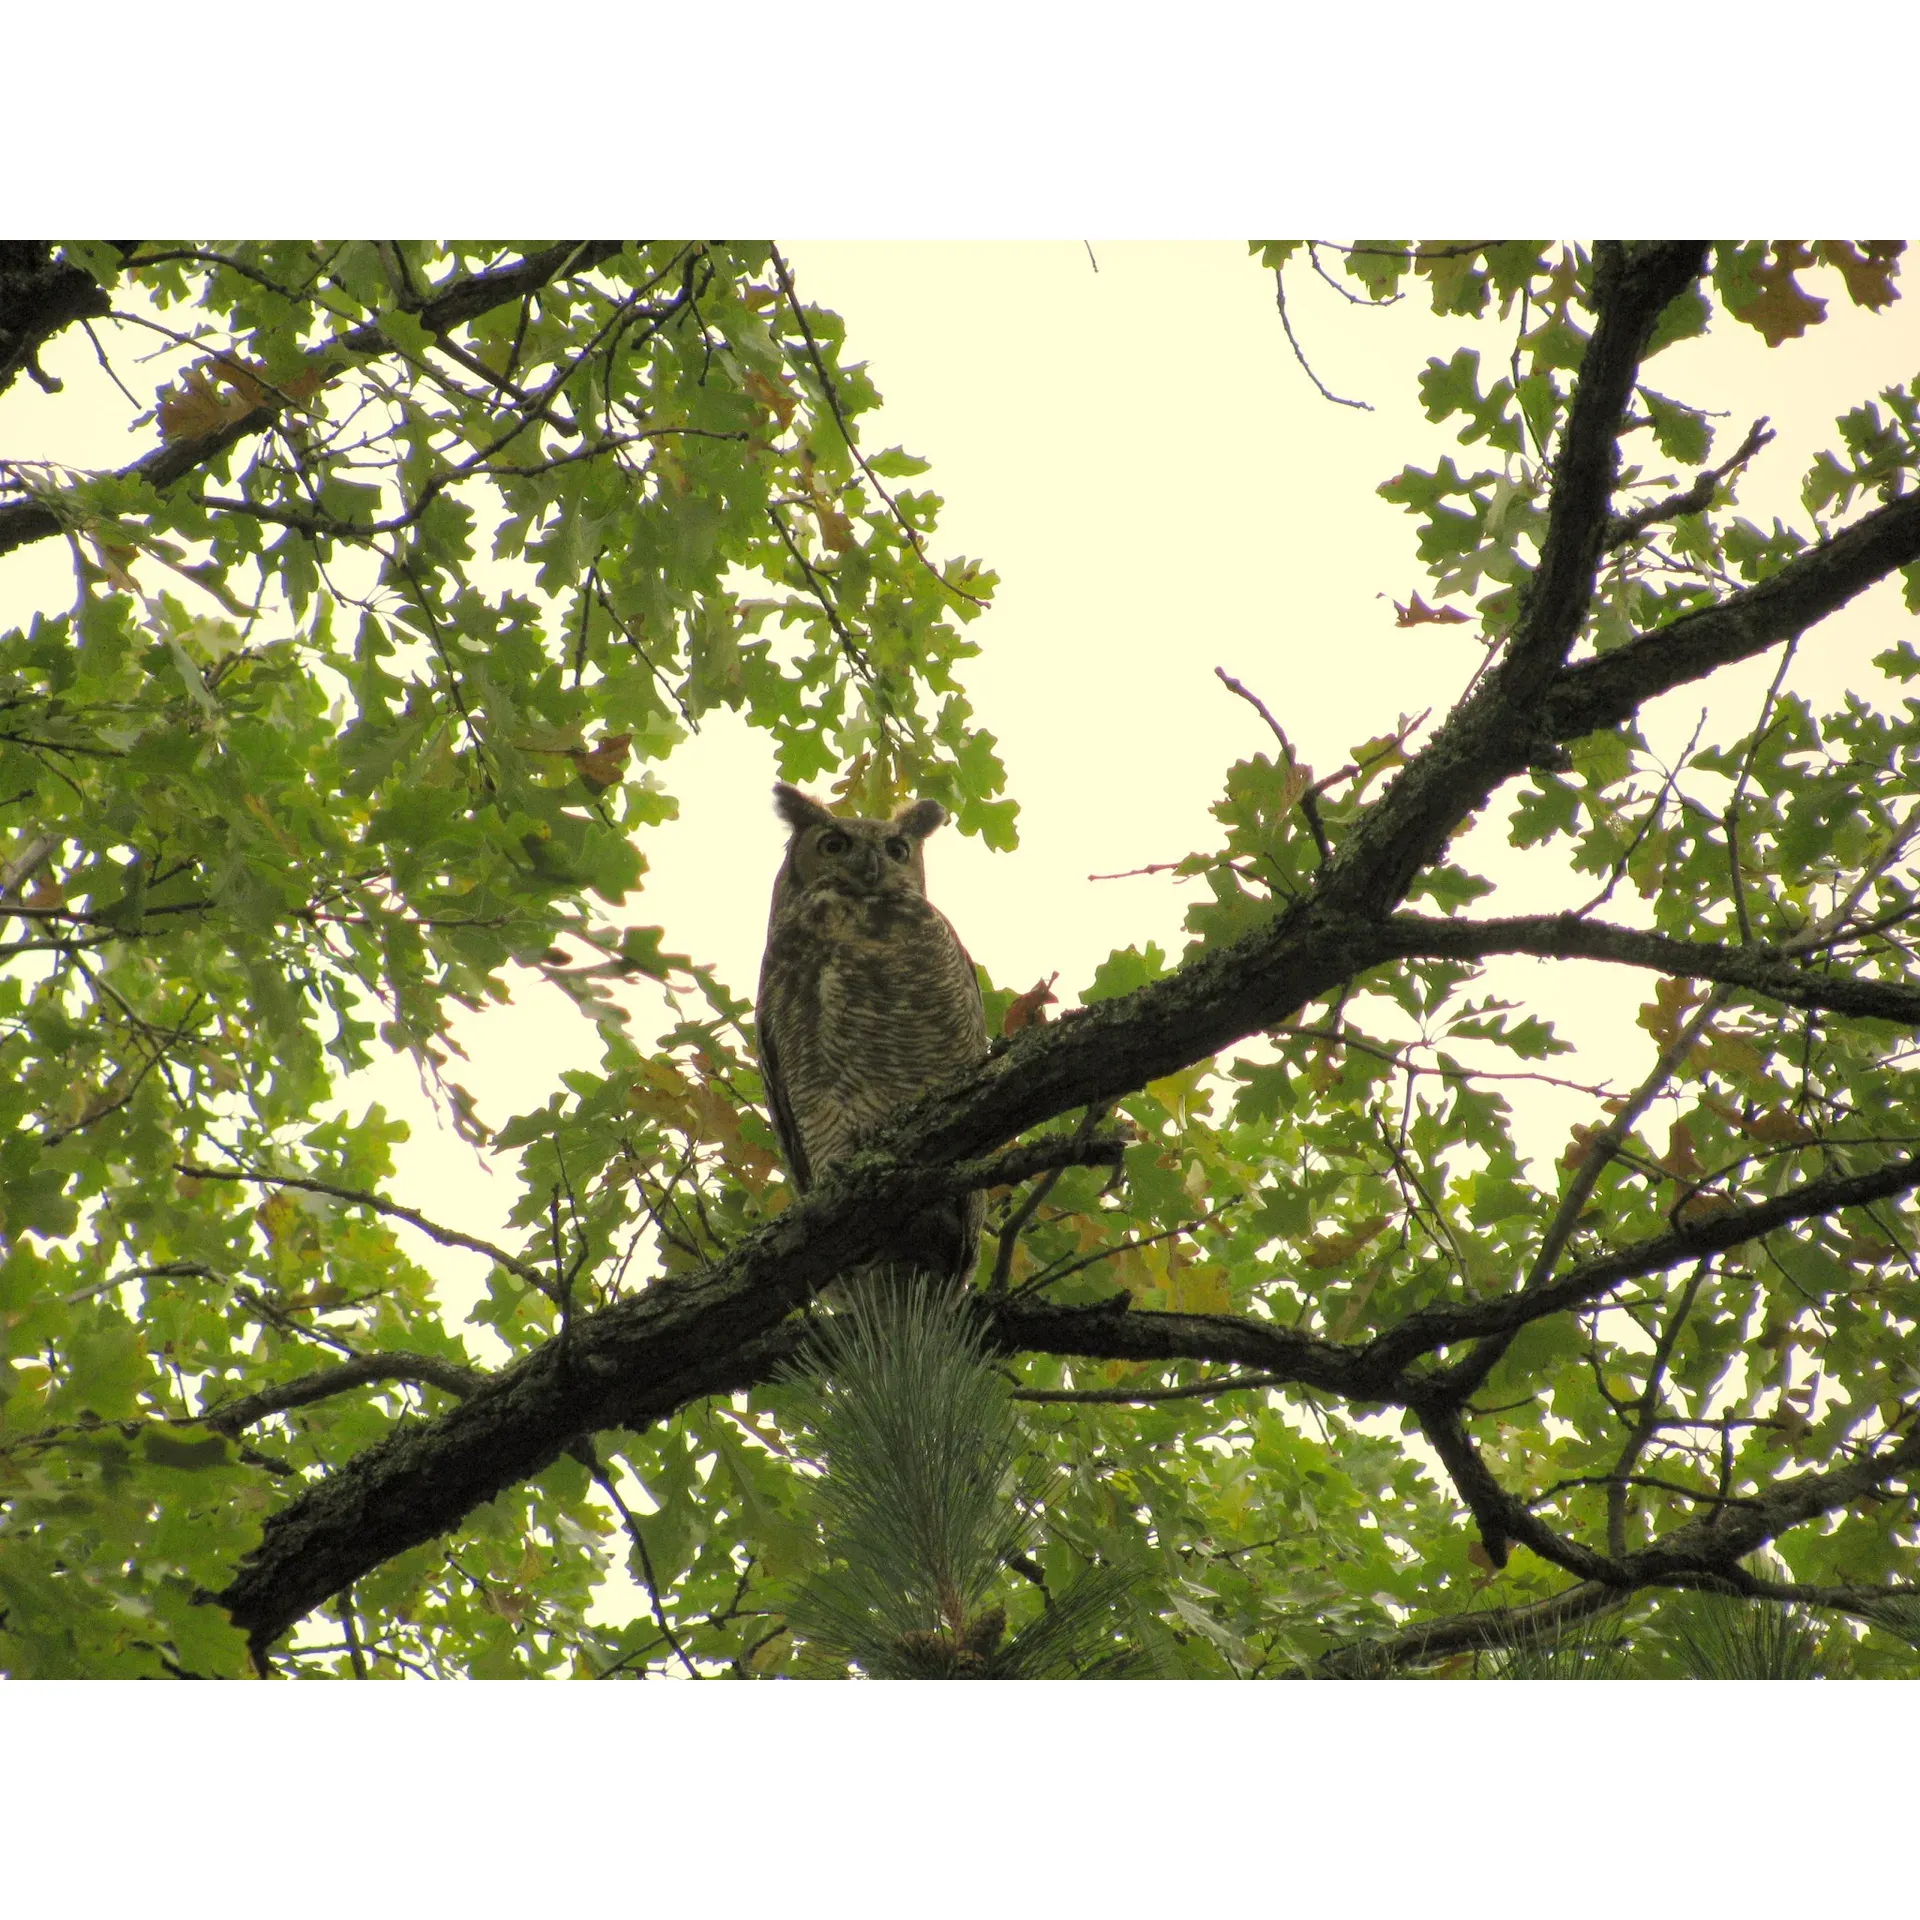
x=834 y=843
x=897 y=849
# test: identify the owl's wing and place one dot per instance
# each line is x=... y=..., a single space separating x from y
x=974 y=1001
x=778 y=1110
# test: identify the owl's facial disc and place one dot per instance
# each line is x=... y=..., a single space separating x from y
x=852 y=863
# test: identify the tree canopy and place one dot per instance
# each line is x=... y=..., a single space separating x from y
x=364 y=707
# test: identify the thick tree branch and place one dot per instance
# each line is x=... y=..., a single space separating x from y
x=1492 y=734
x=369 y=1369
x=1608 y=691
x=1501 y=1518
x=1581 y=1285
x=1146 y=1396
x=1722 y=1536
x=685 y=1339
x=1376 y=1371
x=1633 y=286
x=356 y=1196
x=1544 y=1622
x=1487 y=1630
x=1567 y=936
x=39 y=296
x=627 y=1366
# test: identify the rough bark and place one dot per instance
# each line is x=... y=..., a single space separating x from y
x=39 y=297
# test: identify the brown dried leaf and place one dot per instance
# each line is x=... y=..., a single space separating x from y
x=196 y=406
x=1416 y=613
x=1330 y=1249
x=1784 y=309
x=1029 y=1009
x=248 y=393
x=1681 y=1160
x=1580 y=1147
x=192 y=408
x=1776 y=1127
x=1868 y=269
x=602 y=766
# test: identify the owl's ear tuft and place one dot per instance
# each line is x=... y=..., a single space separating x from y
x=799 y=810
x=920 y=819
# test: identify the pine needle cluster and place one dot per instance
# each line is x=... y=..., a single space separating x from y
x=1720 y=1637
x=1703 y=1636
x=926 y=1497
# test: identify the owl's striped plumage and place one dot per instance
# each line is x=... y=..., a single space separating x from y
x=867 y=999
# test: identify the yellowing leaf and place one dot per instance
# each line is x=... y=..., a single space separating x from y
x=1348 y=1319
x=1672 y=1001
x=1734 y=1056
x=1776 y=1127
x=115 y=563
x=772 y=396
x=1190 y=1283
x=1330 y=1249
x=192 y=408
x=1182 y=1092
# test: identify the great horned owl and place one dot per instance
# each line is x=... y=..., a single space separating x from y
x=867 y=998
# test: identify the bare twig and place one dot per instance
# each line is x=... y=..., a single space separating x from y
x=1309 y=800
x=832 y=397
x=1280 y=303
x=1009 y=1235
x=1694 y=499
x=446 y=1236
x=589 y=1458
x=1147 y=1396
x=1602 y=1149
x=1647 y=1413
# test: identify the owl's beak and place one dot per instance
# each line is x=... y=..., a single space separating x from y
x=870 y=866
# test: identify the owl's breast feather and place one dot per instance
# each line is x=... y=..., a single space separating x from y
x=867 y=923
